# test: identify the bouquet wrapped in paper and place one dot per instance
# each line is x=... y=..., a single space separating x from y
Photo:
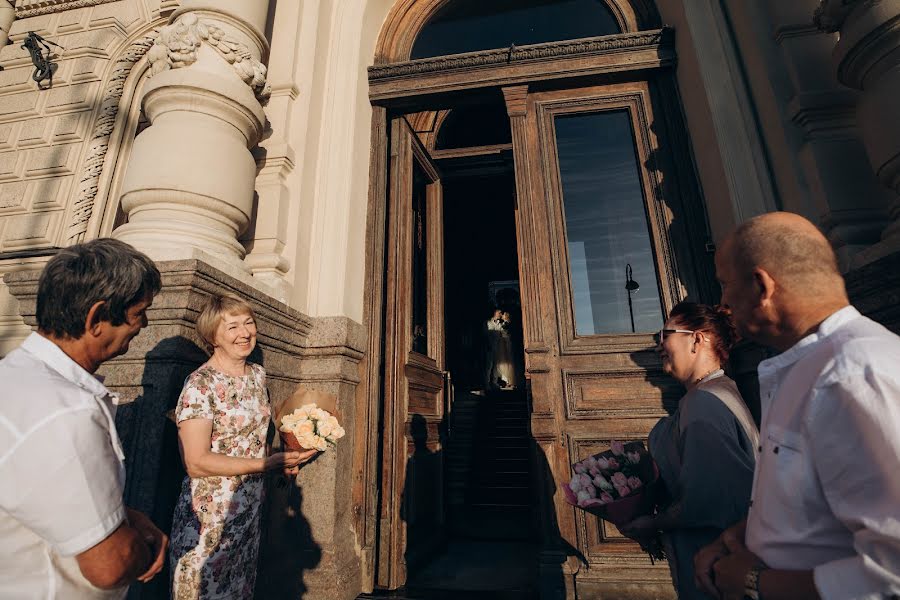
x=616 y=485
x=305 y=422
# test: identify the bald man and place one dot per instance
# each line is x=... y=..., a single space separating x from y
x=824 y=519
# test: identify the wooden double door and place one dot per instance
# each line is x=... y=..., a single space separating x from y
x=610 y=234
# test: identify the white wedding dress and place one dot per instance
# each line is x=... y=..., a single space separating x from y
x=501 y=366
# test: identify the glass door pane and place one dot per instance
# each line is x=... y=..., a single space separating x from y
x=611 y=266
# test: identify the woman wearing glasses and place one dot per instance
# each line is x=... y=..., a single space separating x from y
x=706 y=451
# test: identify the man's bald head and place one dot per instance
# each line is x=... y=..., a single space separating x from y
x=792 y=250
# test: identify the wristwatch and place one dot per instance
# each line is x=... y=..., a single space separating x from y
x=751 y=583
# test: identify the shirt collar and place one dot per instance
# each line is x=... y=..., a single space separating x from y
x=804 y=346
x=53 y=356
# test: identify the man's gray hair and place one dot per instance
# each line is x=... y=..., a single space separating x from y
x=102 y=270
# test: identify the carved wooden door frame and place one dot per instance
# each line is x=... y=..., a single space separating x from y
x=432 y=84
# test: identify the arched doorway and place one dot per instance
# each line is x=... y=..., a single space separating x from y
x=600 y=184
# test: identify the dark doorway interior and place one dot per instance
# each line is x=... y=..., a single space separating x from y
x=488 y=498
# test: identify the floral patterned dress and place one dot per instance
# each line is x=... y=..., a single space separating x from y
x=215 y=529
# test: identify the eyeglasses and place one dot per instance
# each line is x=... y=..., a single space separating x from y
x=660 y=335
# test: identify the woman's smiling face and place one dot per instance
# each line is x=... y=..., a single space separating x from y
x=675 y=352
x=236 y=335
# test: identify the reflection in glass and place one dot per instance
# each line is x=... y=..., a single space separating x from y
x=419 y=261
x=606 y=224
x=472 y=25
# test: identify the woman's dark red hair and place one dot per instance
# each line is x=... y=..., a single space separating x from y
x=715 y=321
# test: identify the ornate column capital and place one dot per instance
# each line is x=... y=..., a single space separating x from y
x=178 y=46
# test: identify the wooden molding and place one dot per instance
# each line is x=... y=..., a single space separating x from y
x=520 y=65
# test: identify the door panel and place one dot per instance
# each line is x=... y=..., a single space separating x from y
x=592 y=206
x=411 y=516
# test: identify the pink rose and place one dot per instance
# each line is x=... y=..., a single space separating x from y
x=602 y=464
x=605 y=498
x=582 y=496
x=586 y=480
x=594 y=471
x=619 y=479
x=590 y=462
x=618 y=448
x=623 y=490
x=633 y=457
x=634 y=483
x=579 y=468
x=613 y=464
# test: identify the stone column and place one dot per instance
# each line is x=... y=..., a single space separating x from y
x=867 y=58
x=190 y=183
x=7 y=16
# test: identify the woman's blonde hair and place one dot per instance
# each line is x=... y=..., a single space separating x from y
x=215 y=308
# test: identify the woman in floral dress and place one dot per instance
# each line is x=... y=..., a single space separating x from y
x=223 y=417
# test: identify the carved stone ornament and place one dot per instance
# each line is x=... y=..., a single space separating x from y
x=178 y=44
x=88 y=185
x=830 y=14
x=34 y=8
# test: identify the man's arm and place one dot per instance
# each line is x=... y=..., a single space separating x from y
x=730 y=575
x=854 y=434
x=117 y=560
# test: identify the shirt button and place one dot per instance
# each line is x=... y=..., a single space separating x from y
x=775 y=450
x=759 y=449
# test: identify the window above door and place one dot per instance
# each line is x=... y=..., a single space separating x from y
x=473 y=25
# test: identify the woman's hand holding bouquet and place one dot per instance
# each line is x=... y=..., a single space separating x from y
x=618 y=486
x=308 y=424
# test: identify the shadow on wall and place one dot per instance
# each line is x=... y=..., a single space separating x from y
x=286 y=548
x=154 y=471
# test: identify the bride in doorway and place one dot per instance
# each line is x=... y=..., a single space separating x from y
x=501 y=363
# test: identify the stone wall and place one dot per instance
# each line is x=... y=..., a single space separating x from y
x=53 y=141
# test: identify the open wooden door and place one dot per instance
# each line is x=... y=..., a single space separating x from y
x=411 y=520
x=605 y=253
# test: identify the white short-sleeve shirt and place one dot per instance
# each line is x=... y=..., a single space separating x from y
x=826 y=493
x=62 y=473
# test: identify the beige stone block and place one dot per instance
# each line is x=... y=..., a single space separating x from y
x=73 y=20
x=43 y=25
x=8 y=132
x=87 y=68
x=12 y=196
x=72 y=98
x=11 y=165
x=52 y=160
x=93 y=41
x=16 y=79
x=50 y=193
x=35 y=132
x=20 y=105
x=121 y=14
x=70 y=127
x=31 y=230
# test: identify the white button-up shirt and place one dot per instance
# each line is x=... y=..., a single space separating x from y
x=826 y=490
x=62 y=473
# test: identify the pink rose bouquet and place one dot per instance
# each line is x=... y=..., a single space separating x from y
x=616 y=485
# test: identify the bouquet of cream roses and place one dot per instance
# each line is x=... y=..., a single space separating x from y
x=310 y=428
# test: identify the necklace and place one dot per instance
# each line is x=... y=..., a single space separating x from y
x=706 y=375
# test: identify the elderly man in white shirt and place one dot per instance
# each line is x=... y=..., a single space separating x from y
x=66 y=532
x=824 y=519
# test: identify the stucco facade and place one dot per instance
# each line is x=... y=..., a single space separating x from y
x=255 y=166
